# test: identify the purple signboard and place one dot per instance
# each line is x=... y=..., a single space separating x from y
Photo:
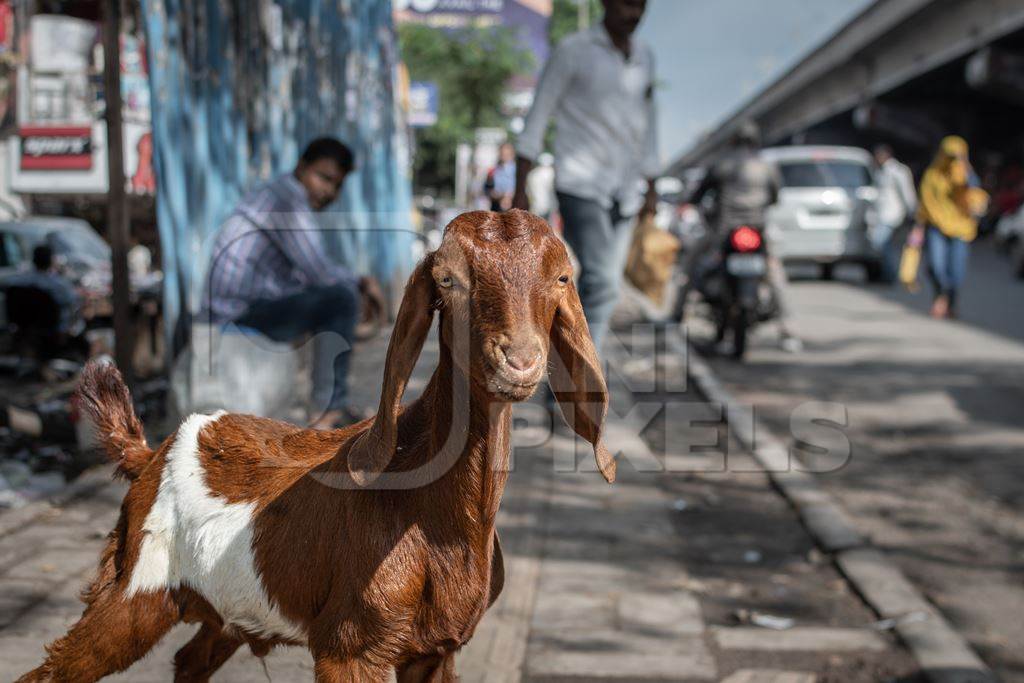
x=529 y=18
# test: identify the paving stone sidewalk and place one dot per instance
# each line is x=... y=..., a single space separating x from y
x=604 y=583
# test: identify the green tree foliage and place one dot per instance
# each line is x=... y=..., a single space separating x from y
x=471 y=68
x=565 y=17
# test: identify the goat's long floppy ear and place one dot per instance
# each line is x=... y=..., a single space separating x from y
x=576 y=378
x=373 y=449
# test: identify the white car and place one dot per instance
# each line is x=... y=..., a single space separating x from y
x=1010 y=229
x=826 y=207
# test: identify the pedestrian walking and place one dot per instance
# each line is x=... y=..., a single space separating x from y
x=599 y=87
x=500 y=183
x=947 y=221
x=270 y=273
x=897 y=204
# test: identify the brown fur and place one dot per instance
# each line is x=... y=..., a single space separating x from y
x=103 y=397
x=393 y=576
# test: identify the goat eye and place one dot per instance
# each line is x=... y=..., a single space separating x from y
x=564 y=279
x=446 y=281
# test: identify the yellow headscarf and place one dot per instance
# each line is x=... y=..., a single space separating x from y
x=954 y=147
x=947 y=200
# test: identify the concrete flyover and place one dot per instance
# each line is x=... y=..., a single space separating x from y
x=904 y=71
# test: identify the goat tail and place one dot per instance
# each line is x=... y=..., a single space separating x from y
x=103 y=397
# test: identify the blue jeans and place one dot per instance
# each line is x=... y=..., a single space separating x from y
x=886 y=241
x=600 y=239
x=332 y=310
x=947 y=261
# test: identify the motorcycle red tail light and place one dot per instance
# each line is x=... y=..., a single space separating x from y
x=745 y=238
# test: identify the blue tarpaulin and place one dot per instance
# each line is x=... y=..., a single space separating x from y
x=238 y=88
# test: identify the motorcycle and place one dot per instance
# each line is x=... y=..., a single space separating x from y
x=734 y=283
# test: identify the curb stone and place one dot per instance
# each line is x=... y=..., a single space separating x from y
x=942 y=653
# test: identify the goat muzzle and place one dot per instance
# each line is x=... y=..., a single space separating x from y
x=516 y=367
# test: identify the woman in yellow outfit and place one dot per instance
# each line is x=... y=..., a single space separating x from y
x=947 y=220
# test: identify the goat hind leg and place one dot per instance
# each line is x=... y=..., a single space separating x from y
x=113 y=633
x=330 y=669
x=200 y=658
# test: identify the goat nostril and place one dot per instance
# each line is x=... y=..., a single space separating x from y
x=521 y=361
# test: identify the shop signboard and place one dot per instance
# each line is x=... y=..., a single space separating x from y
x=423 y=104
x=61 y=44
x=61 y=143
x=48 y=163
x=56 y=148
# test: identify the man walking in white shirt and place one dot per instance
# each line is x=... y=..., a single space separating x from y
x=897 y=204
x=599 y=87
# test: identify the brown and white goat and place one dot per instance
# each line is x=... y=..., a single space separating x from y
x=375 y=545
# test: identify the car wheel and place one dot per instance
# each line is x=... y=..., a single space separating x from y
x=875 y=272
x=1017 y=259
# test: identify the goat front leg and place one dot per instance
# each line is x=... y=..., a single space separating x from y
x=436 y=669
x=200 y=658
x=113 y=633
x=334 y=669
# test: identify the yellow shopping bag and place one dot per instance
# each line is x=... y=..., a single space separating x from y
x=910 y=263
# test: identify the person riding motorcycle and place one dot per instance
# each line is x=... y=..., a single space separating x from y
x=745 y=186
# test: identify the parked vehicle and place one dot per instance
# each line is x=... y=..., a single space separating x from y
x=826 y=207
x=79 y=252
x=733 y=281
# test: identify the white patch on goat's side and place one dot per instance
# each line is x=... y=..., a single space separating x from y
x=195 y=538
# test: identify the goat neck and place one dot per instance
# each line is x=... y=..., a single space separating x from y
x=468 y=432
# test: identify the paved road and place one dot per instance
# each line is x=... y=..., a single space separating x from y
x=992 y=299
x=937 y=435
x=654 y=578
